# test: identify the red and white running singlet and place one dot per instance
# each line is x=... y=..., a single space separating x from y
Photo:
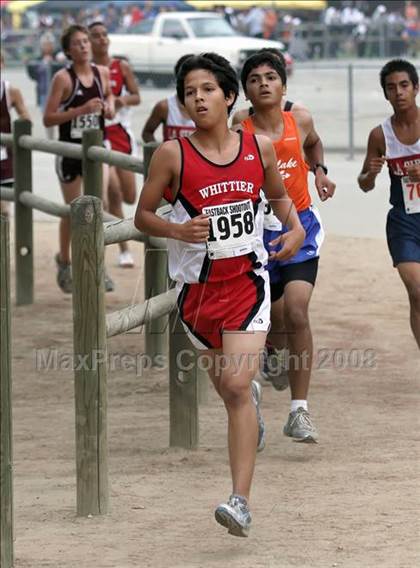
x=117 y=130
x=231 y=195
x=177 y=125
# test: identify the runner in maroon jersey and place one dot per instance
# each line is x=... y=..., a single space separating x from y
x=171 y=114
x=122 y=183
x=80 y=99
x=216 y=252
x=10 y=98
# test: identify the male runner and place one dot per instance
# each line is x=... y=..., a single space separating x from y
x=397 y=142
x=80 y=98
x=216 y=251
x=286 y=105
x=274 y=367
x=10 y=98
x=293 y=134
x=171 y=113
x=122 y=183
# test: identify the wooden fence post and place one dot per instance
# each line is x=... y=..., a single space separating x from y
x=92 y=170
x=155 y=282
x=90 y=353
x=183 y=388
x=6 y=465
x=24 y=259
x=203 y=380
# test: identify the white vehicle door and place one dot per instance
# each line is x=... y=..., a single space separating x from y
x=171 y=45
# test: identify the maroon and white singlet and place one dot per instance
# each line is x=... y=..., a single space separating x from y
x=6 y=159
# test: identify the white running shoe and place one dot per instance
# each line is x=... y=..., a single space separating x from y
x=234 y=515
x=126 y=260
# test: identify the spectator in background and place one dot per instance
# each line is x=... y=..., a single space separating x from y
x=126 y=18
x=254 y=22
x=136 y=15
x=41 y=71
x=412 y=28
x=270 y=23
x=111 y=18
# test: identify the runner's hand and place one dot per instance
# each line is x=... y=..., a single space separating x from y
x=109 y=111
x=375 y=165
x=413 y=172
x=195 y=231
x=324 y=186
x=94 y=105
x=291 y=242
x=119 y=103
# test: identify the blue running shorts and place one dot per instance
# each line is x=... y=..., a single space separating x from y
x=403 y=236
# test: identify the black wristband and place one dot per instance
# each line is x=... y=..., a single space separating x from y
x=324 y=168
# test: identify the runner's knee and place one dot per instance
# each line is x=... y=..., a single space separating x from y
x=296 y=318
x=414 y=295
x=232 y=390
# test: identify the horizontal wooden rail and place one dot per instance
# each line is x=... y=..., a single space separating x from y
x=122 y=230
x=114 y=158
x=7 y=194
x=45 y=205
x=66 y=149
x=6 y=140
x=134 y=316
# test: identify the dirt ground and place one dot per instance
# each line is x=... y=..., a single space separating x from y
x=350 y=501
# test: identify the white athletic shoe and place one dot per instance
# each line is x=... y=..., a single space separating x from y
x=126 y=260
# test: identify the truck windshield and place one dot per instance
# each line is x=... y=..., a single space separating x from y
x=211 y=27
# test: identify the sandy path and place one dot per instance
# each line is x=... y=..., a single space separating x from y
x=351 y=501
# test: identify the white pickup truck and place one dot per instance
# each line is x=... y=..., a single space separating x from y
x=154 y=45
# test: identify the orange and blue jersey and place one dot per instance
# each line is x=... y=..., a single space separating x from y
x=294 y=171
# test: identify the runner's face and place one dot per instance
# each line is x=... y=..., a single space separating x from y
x=400 y=91
x=79 y=48
x=204 y=99
x=264 y=87
x=99 y=40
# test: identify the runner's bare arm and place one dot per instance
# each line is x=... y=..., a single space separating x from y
x=133 y=98
x=109 y=103
x=314 y=153
x=158 y=116
x=164 y=172
x=374 y=160
x=239 y=116
x=18 y=103
x=283 y=207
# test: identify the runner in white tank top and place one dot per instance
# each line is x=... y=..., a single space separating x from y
x=397 y=142
x=171 y=114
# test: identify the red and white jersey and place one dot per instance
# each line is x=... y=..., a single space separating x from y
x=177 y=125
x=6 y=160
x=398 y=157
x=119 y=89
x=231 y=195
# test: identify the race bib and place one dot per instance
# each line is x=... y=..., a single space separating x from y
x=232 y=229
x=271 y=222
x=84 y=122
x=411 y=195
x=3 y=153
